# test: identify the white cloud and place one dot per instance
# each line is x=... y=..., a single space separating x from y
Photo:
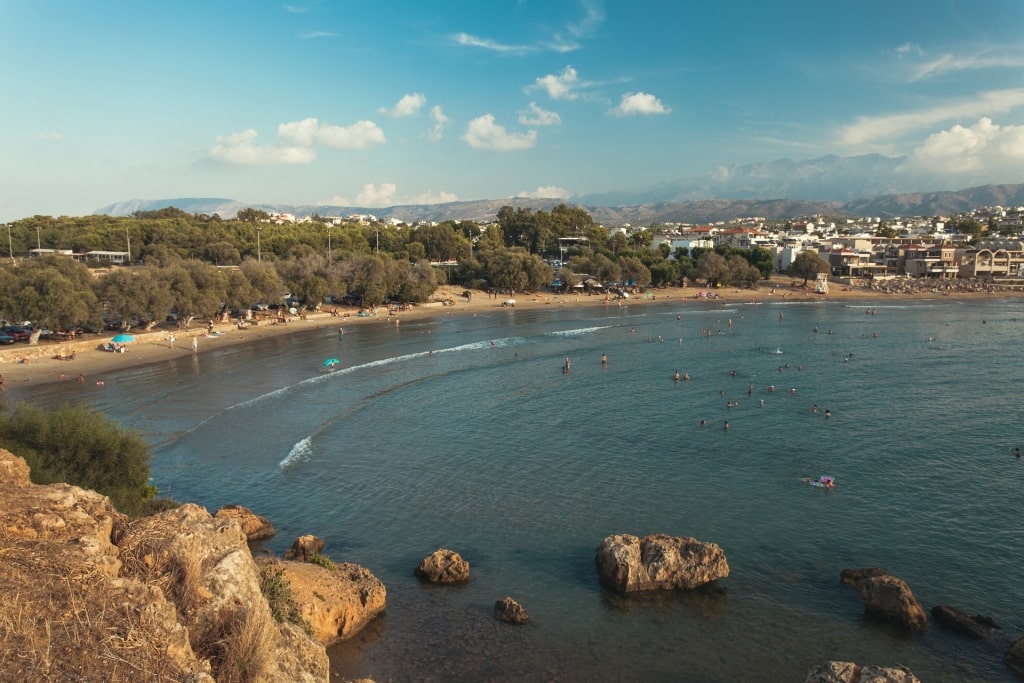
x=639 y=103
x=558 y=87
x=409 y=105
x=983 y=146
x=307 y=132
x=868 y=130
x=440 y=121
x=241 y=149
x=537 y=116
x=593 y=17
x=312 y=35
x=51 y=137
x=545 y=192
x=487 y=44
x=997 y=57
x=371 y=195
x=430 y=197
x=483 y=133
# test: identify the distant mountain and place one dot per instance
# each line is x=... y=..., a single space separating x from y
x=645 y=213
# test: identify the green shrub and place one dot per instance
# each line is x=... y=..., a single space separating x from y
x=278 y=592
x=322 y=560
x=81 y=446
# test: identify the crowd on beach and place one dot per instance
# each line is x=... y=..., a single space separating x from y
x=935 y=286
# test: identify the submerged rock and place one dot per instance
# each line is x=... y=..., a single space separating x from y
x=511 y=611
x=848 y=672
x=974 y=625
x=629 y=564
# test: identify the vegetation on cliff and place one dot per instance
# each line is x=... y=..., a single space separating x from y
x=84 y=447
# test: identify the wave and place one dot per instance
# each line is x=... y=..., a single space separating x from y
x=578 y=332
x=300 y=452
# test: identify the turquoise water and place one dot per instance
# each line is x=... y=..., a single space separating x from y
x=462 y=432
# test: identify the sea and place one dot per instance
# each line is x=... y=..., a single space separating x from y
x=464 y=432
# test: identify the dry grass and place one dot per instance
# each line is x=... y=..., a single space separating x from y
x=60 y=621
x=238 y=645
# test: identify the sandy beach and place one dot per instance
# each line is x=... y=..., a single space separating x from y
x=21 y=363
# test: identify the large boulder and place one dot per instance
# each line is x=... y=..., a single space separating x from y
x=336 y=602
x=851 y=577
x=848 y=672
x=443 y=566
x=255 y=527
x=61 y=570
x=304 y=548
x=511 y=611
x=890 y=598
x=1014 y=656
x=206 y=565
x=973 y=625
x=629 y=564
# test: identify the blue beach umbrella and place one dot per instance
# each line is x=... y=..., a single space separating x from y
x=122 y=338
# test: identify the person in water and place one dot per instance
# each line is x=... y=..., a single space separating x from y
x=676 y=376
x=604 y=359
x=726 y=426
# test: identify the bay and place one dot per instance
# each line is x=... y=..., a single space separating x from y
x=464 y=433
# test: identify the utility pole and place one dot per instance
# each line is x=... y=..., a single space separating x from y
x=39 y=243
x=126 y=234
x=10 y=244
x=259 y=253
x=328 y=245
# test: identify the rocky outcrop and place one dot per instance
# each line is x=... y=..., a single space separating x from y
x=255 y=527
x=443 y=566
x=304 y=548
x=887 y=597
x=973 y=625
x=1014 y=656
x=658 y=562
x=511 y=611
x=848 y=672
x=90 y=595
x=335 y=602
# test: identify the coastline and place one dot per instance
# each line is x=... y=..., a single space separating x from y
x=20 y=363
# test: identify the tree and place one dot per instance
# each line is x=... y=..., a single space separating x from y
x=249 y=215
x=712 y=268
x=83 y=447
x=136 y=294
x=53 y=292
x=807 y=264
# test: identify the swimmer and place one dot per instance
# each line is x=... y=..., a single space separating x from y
x=725 y=426
x=676 y=376
x=604 y=359
x=814 y=409
x=1016 y=451
x=761 y=404
x=828 y=413
x=686 y=377
x=704 y=423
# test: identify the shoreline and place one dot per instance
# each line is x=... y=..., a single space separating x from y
x=41 y=362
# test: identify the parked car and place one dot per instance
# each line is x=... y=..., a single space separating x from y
x=19 y=333
x=6 y=338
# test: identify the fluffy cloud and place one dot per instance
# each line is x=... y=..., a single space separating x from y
x=545 y=192
x=639 y=103
x=440 y=121
x=537 y=116
x=559 y=87
x=307 y=132
x=983 y=146
x=484 y=133
x=371 y=195
x=430 y=197
x=874 y=129
x=241 y=149
x=409 y=105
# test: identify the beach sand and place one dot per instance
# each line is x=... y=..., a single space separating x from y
x=22 y=363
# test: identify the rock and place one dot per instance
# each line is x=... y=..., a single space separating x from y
x=443 y=566
x=14 y=471
x=511 y=611
x=304 y=548
x=848 y=672
x=890 y=598
x=336 y=603
x=1014 y=656
x=255 y=527
x=658 y=562
x=974 y=625
x=851 y=577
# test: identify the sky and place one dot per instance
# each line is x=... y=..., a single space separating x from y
x=374 y=103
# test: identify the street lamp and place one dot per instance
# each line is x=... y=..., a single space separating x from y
x=39 y=243
x=259 y=253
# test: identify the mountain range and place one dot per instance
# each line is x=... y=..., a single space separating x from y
x=868 y=185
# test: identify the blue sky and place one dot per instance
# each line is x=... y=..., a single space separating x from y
x=376 y=103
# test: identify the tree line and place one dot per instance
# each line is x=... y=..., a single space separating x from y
x=195 y=265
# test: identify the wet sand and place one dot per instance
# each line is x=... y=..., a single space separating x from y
x=25 y=363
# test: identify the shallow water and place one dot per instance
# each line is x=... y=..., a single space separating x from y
x=462 y=432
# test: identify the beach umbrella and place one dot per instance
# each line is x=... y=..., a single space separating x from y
x=331 y=362
x=122 y=338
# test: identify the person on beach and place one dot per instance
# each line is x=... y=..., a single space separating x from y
x=170 y=338
x=2 y=389
x=195 y=346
